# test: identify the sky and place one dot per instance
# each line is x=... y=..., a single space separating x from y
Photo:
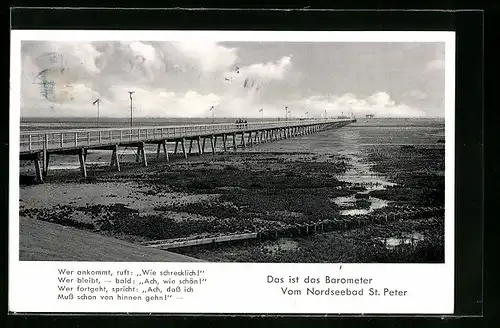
x=185 y=79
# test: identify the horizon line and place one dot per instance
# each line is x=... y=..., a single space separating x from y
x=209 y=117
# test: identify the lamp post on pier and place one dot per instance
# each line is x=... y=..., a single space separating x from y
x=286 y=113
x=97 y=101
x=212 y=109
x=131 y=117
x=262 y=111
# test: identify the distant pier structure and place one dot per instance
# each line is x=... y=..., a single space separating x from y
x=40 y=146
x=369 y=115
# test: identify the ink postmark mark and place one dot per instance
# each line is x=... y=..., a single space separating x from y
x=51 y=78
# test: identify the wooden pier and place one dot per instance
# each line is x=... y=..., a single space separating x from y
x=40 y=146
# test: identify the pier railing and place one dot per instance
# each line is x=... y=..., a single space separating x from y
x=32 y=141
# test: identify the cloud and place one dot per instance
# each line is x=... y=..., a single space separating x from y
x=157 y=103
x=147 y=51
x=162 y=103
x=146 y=103
x=135 y=62
x=81 y=57
x=379 y=104
x=210 y=56
x=47 y=81
x=261 y=72
x=187 y=78
x=416 y=94
x=271 y=70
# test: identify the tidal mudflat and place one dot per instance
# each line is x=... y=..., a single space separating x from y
x=347 y=175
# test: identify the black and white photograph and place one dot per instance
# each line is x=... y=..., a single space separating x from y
x=232 y=151
x=283 y=171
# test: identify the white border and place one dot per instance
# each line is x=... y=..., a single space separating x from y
x=287 y=36
x=432 y=285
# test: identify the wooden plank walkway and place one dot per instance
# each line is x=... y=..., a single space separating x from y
x=166 y=244
x=304 y=229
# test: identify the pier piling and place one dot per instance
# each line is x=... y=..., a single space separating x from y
x=142 y=155
x=184 y=148
x=200 y=151
x=83 y=168
x=114 y=158
x=39 y=174
x=243 y=140
x=46 y=158
x=212 y=143
x=165 y=150
x=190 y=146
x=158 y=151
x=224 y=139
x=203 y=144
